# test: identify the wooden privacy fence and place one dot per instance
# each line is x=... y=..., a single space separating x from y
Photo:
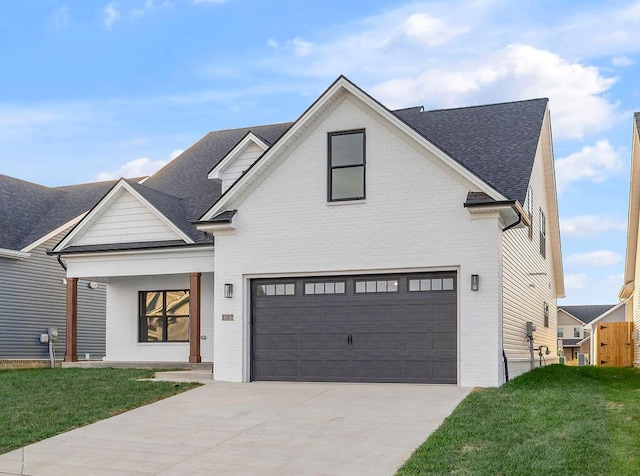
x=615 y=344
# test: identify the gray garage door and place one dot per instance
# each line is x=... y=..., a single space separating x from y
x=380 y=328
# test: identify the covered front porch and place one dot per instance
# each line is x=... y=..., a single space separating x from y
x=159 y=306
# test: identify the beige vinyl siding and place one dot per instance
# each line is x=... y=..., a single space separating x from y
x=525 y=289
x=127 y=220
x=33 y=297
x=635 y=303
x=237 y=167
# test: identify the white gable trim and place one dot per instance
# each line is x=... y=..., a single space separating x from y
x=342 y=84
x=12 y=254
x=249 y=139
x=104 y=204
x=53 y=233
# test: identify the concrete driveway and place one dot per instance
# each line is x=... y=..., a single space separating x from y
x=251 y=429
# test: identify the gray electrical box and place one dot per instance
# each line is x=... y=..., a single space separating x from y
x=53 y=334
x=530 y=329
x=582 y=359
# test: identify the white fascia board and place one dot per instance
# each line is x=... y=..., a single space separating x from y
x=605 y=314
x=53 y=233
x=13 y=254
x=104 y=265
x=104 y=203
x=216 y=173
x=342 y=84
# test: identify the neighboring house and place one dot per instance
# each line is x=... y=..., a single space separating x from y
x=600 y=329
x=354 y=244
x=630 y=291
x=571 y=328
x=33 y=218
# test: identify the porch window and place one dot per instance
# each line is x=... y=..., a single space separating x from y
x=164 y=316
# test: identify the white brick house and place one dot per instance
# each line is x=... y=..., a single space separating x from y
x=355 y=244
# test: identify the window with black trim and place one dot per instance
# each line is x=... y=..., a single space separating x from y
x=325 y=287
x=164 y=316
x=276 y=289
x=377 y=286
x=346 y=166
x=543 y=235
x=431 y=284
x=546 y=314
x=576 y=332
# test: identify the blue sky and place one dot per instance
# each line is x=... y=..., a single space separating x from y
x=96 y=89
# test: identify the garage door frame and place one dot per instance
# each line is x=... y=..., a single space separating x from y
x=247 y=297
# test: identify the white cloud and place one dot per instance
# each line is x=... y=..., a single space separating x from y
x=111 y=14
x=595 y=258
x=589 y=225
x=135 y=168
x=615 y=279
x=622 y=61
x=273 y=43
x=429 y=31
x=575 y=281
x=175 y=154
x=516 y=72
x=142 y=11
x=595 y=163
x=61 y=17
x=301 y=47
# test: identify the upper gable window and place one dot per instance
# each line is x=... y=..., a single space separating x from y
x=346 y=165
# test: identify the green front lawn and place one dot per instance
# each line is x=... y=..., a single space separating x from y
x=39 y=403
x=554 y=420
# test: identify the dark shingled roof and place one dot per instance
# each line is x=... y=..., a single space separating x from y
x=185 y=177
x=496 y=142
x=570 y=342
x=29 y=211
x=587 y=313
x=132 y=246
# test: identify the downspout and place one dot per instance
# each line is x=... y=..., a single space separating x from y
x=61 y=263
x=506 y=228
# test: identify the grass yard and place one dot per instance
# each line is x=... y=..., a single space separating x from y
x=38 y=403
x=554 y=420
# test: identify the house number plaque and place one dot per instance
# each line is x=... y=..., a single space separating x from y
x=227 y=317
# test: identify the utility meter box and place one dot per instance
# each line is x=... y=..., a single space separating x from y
x=52 y=333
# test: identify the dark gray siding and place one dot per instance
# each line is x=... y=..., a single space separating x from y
x=32 y=298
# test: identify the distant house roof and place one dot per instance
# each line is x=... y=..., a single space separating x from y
x=29 y=211
x=587 y=313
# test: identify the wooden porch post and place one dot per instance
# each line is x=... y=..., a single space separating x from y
x=71 y=353
x=194 y=317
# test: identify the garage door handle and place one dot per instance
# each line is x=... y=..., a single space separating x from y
x=350 y=339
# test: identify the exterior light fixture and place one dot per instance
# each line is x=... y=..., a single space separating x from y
x=475 y=282
x=228 y=290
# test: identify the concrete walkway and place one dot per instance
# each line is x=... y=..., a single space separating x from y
x=251 y=429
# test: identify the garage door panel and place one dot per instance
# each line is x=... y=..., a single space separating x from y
x=399 y=336
x=444 y=341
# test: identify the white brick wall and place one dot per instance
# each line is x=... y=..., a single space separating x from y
x=122 y=320
x=413 y=218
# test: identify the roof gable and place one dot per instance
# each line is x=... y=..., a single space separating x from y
x=125 y=215
x=234 y=195
x=497 y=142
